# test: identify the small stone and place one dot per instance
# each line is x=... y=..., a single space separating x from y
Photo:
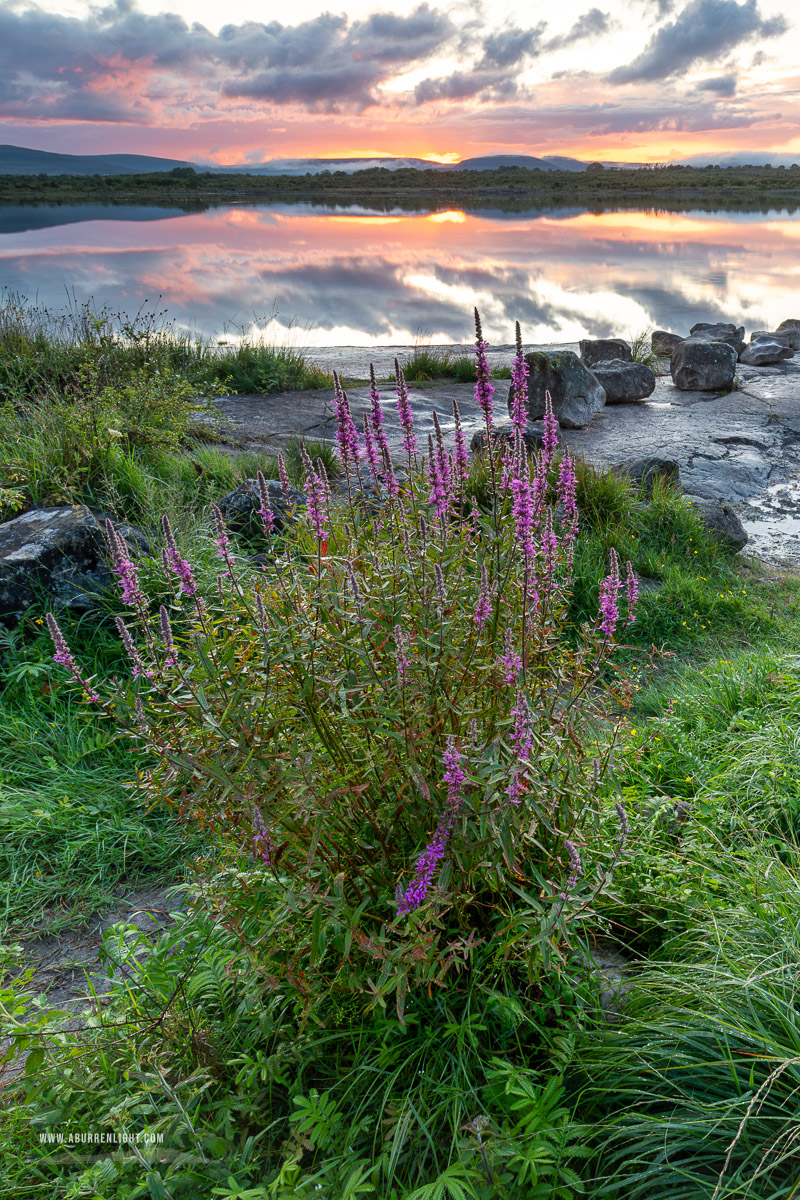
x=502 y=435
x=645 y=471
x=240 y=507
x=787 y=337
x=698 y=365
x=603 y=349
x=662 y=343
x=721 y=521
x=624 y=382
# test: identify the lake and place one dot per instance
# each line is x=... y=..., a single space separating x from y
x=332 y=276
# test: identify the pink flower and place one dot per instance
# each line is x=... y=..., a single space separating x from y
x=608 y=617
x=427 y=864
x=484 y=389
x=519 y=386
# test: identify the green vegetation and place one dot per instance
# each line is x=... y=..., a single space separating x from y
x=670 y=186
x=289 y=1036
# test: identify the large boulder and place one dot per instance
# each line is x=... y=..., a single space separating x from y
x=240 y=507
x=721 y=331
x=574 y=391
x=643 y=472
x=721 y=521
x=603 y=349
x=662 y=343
x=57 y=554
x=624 y=381
x=786 y=337
x=792 y=328
x=698 y=365
x=764 y=351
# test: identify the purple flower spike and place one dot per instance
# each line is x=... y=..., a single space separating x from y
x=123 y=567
x=176 y=564
x=428 y=862
x=264 y=510
x=484 y=389
x=519 y=386
x=401 y=653
x=632 y=593
x=461 y=457
x=510 y=661
x=222 y=541
x=371 y=450
x=166 y=636
x=609 y=597
x=550 y=440
x=439 y=495
x=566 y=494
x=263 y=846
x=404 y=410
x=523 y=509
x=283 y=476
x=138 y=669
x=346 y=435
x=483 y=609
x=316 y=509
x=63 y=656
x=440 y=592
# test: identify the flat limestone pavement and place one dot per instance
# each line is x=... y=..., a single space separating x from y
x=742 y=447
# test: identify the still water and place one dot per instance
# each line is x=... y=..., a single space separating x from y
x=354 y=276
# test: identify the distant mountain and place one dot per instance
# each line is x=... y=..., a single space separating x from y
x=314 y=166
x=18 y=160
x=744 y=159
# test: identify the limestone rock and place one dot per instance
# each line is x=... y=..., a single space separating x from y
x=603 y=349
x=765 y=350
x=574 y=391
x=722 y=331
x=792 y=327
x=787 y=337
x=624 y=381
x=698 y=365
x=645 y=471
x=662 y=343
x=501 y=436
x=722 y=521
x=57 y=554
x=240 y=507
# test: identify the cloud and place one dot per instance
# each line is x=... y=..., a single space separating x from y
x=509 y=47
x=590 y=24
x=720 y=85
x=704 y=31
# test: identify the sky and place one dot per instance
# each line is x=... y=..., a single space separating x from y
x=246 y=81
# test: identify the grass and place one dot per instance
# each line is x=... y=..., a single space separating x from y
x=72 y=831
x=426 y=364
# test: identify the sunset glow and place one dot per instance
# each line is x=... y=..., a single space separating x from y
x=639 y=81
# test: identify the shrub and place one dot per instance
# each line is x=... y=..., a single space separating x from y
x=391 y=718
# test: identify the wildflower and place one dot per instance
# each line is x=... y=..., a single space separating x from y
x=442 y=459
x=404 y=411
x=63 y=656
x=609 y=597
x=483 y=609
x=575 y=867
x=123 y=568
x=263 y=846
x=440 y=592
x=566 y=494
x=484 y=388
x=138 y=669
x=522 y=505
x=510 y=661
x=166 y=635
x=401 y=652
x=370 y=450
x=438 y=496
x=316 y=508
x=264 y=510
x=222 y=541
x=461 y=457
x=550 y=440
x=519 y=386
x=283 y=476
x=632 y=593
x=354 y=588
x=428 y=862
x=346 y=435
x=175 y=563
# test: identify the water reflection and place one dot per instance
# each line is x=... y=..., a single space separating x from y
x=359 y=276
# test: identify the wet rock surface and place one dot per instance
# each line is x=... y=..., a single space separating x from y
x=700 y=365
x=742 y=448
x=576 y=395
x=604 y=350
x=624 y=382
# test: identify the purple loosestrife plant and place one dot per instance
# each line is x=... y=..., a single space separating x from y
x=608 y=617
x=460 y=454
x=63 y=656
x=404 y=411
x=484 y=388
x=510 y=661
x=454 y=777
x=346 y=434
x=483 y=609
x=631 y=593
x=124 y=568
x=264 y=510
x=175 y=564
x=317 y=508
x=519 y=386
